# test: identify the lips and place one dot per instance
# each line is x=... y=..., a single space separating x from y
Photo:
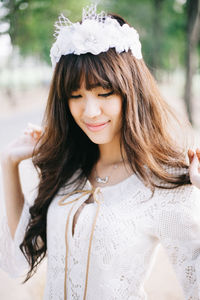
x=97 y=126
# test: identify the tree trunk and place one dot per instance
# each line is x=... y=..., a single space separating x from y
x=193 y=32
x=157 y=29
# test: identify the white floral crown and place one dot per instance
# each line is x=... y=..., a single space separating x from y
x=95 y=34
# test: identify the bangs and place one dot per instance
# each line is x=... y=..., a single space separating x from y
x=92 y=70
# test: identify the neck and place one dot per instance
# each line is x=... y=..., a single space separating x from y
x=110 y=168
x=110 y=153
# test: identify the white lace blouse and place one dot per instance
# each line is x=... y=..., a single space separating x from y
x=111 y=250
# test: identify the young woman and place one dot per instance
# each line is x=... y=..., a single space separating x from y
x=113 y=181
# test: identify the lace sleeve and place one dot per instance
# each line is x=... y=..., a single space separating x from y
x=178 y=228
x=12 y=259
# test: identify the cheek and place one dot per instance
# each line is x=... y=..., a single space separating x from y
x=70 y=105
x=74 y=109
x=115 y=109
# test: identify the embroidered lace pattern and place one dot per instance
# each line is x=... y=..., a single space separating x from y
x=11 y=257
x=130 y=226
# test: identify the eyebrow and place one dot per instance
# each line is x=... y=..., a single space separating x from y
x=98 y=85
x=92 y=86
x=95 y=85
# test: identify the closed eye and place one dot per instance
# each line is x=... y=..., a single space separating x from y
x=75 y=96
x=106 y=94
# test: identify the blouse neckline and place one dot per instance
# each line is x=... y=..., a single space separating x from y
x=112 y=186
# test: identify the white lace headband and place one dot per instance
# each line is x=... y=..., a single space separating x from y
x=95 y=34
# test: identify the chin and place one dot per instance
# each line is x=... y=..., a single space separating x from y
x=100 y=140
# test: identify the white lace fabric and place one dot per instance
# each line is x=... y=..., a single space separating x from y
x=130 y=226
x=12 y=260
x=96 y=34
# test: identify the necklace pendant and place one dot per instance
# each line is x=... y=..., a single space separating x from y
x=102 y=180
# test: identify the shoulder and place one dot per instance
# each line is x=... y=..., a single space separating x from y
x=178 y=213
x=185 y=196
x=178 y=208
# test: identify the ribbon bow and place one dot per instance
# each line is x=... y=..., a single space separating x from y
x=94 y=192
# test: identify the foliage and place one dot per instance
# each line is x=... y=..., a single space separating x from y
x=165 y=26
x=162 y=30
x=31 y=23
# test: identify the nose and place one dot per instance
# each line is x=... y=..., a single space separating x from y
x=92 y=108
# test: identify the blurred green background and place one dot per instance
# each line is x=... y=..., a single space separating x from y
x=169 y=31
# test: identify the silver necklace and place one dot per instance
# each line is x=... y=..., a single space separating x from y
x=104 y=180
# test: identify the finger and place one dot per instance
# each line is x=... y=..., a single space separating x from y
x=28 y=131
x=35 y=127
x=33 y=130
x=190 y=155
x=36 y=135
x=193 y=168
x=33 y=134
x=198 y=153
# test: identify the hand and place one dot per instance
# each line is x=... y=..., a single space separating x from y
x=194 y=168
x=22 y=147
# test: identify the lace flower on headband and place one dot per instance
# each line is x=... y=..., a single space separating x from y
x=95 y=34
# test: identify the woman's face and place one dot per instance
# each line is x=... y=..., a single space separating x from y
x=98 y=112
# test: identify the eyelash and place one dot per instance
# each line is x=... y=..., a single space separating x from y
x=101 y=95
x=107 y=94
x=75 y=97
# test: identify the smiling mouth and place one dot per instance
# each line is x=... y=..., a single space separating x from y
x=97 y=127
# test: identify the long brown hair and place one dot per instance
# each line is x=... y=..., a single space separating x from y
x=64 y=148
